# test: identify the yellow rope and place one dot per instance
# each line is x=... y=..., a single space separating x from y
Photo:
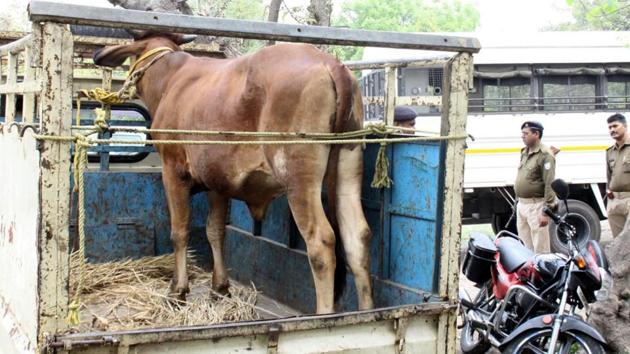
x=128 y=91
x=144 y=57
x=373 y=129
x=283 y=142
x=80 y=163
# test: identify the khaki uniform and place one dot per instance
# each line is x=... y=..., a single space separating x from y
x=533 y=190
x=618 y=178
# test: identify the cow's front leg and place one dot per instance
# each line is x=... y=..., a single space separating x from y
x=178 y=198
x=215 y=231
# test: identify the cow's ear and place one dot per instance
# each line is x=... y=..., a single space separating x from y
x=180 y=39
x=115 y=55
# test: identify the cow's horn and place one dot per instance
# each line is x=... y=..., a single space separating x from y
x=136 y=34
x=187 y=38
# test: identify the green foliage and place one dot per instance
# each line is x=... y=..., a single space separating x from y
x=404 y=16
x=607 y=15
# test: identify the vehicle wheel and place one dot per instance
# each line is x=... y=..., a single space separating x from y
x=499 y=221
x=471 y=341
x=537 y=341
x=583 y=218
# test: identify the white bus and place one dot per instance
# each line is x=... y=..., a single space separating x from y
x=569 y=81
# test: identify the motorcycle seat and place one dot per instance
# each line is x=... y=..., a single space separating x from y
x=548 y=265
x=513 y=254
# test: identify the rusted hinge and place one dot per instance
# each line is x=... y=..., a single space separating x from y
x=272 y=339
x=400 y=326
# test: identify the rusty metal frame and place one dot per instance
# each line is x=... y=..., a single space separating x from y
x=457 y=81
x=268 y=327
x=41 y=11
x=56 y=102
x=50 y=56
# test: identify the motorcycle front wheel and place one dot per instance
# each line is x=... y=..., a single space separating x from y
x=471 y=341
x=537 y=341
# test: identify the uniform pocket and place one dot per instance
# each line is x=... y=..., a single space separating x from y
x=625 y=167
x=533 y=174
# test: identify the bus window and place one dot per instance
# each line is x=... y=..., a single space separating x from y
x=569 y=93
x=618 y=91
x=503 y=95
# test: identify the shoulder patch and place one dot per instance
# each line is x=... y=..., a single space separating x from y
x=547 y=165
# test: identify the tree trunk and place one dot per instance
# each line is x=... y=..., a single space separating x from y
x=274 y=12
x=612 y=317
x=319 y=12
x=173 y=6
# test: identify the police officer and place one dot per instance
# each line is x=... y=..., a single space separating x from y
x=404 y=117
x=618 y=174
x=533 y=188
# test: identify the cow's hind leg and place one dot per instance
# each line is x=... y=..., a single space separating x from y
x=308 y=212
x=215 y=231
x=178 y=198
x=305 y=200
x=355 y=233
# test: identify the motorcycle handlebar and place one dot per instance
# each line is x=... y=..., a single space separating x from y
x=552 y=215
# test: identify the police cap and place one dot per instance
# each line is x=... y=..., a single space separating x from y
x=533 y=125
x=403 y=114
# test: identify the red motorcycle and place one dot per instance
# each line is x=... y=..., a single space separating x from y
x=527 y=302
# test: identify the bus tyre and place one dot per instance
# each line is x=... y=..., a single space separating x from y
x=499 y=221
x=583 y=218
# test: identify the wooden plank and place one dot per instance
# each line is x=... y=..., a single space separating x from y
x=16 y=46
x=107 y=85
x=28 y=99
x=457 y=77
x=391 y=85
x=114 y=17
x=12 y=67
x=404 y=63
x=55 y=179
x=20 y=88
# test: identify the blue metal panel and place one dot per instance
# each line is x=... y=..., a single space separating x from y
x=277 y=223
x=240 y=216
x=412 y=214
x=415 y=171
x=128 y=216
x=412 y=260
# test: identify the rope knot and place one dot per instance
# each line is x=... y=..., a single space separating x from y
x=381 y=170
x=379 y=129
x=73 y=313
x=100 y=123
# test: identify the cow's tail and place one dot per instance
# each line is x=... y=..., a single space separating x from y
x=345 y=120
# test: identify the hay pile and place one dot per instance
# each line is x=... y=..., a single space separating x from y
x=131 y=294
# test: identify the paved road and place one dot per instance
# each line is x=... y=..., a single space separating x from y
x=470 y=288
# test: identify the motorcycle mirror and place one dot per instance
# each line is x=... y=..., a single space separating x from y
x=561 y=188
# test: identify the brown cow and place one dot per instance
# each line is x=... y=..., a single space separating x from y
x=282 y=88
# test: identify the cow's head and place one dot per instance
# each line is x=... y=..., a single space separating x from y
x=143 y=41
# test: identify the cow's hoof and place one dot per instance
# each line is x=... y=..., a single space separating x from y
x=220 y=291
x=176 y=298
x=176 y=294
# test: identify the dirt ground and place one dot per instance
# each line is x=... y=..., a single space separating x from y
x=470 y=288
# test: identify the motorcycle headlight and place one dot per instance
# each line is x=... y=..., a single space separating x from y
x=607 y=285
